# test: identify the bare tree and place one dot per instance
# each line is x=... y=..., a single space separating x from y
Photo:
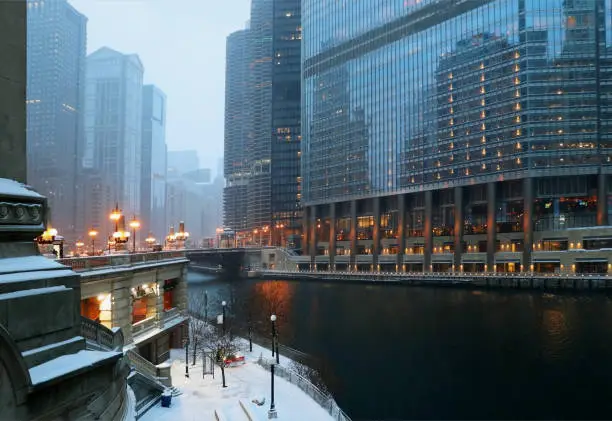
x=198 y=310
x=220 y=347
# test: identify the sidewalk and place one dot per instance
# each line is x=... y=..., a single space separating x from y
x=201 y=397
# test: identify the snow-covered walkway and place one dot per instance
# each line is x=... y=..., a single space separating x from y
x=202 y=397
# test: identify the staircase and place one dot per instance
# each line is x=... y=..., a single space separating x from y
x=145 y=383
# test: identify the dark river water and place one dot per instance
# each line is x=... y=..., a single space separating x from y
x=402 y=353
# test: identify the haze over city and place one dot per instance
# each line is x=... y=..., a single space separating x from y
x=305 y=210
x=182 y=46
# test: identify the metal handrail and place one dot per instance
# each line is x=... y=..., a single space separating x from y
x=325 y=400
x=98 y=262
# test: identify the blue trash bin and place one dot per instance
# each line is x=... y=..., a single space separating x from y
x=166 y=399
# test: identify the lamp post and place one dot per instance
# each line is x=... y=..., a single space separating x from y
x=134 y=224
x=223 y=304
x=115 y=216
x=272 y=411
x=92 y=234
x=150 y=240
x=273 y=320
x=79 y=244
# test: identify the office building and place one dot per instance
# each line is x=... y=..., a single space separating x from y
x=274 y=137
x=154 y=165
x=56 y=48
x=181 y=162
x=470 y=137
x=236 y=155
x=113 y=132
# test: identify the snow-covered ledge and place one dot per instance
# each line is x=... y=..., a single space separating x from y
x=45 y=369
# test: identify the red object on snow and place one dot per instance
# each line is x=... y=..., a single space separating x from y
x=234 y=361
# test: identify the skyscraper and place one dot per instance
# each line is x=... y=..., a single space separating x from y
x=113 y=131
x=56 y=48
x=485 y=127
x=236 y=156
x=153 y=157
x=274 y=137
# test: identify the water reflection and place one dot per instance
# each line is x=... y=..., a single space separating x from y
x=429 y=353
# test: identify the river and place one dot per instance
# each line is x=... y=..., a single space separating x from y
x=399 y=353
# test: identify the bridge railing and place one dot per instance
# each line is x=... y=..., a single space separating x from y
x=80 y=264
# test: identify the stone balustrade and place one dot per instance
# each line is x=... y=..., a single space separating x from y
x=111 y=339
x=80 y=264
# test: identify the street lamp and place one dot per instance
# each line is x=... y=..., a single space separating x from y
x=115 y=216
x=223 y=304
x=134 y=224
x=92 y=235
x=272 y=412
x=150 y=240
x=170 y=238
x=273 y=320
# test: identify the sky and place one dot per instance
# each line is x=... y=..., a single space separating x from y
x=182 y=46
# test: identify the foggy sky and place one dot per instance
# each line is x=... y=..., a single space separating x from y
x=182 y=46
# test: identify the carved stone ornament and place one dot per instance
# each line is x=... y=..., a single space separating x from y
x=22 y=210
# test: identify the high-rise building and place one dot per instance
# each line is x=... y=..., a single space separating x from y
x=181 y=162
x=113 y=132
x=274 y=135
x=56 y=48
x=153 y=158
x=470 y=137
x=236 y=155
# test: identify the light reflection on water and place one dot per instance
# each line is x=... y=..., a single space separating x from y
x=446 y=353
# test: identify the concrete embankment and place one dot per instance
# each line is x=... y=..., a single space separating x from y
x=485 y=280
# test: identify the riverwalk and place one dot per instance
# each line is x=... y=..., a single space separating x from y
x=566 y=281
x=202 y=397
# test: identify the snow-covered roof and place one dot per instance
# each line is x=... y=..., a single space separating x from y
x=17 y=189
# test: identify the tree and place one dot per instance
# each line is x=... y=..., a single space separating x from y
x=220 y=347
x=198 y=311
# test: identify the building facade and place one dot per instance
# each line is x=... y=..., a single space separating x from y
x=236 y=157
x=56 y=42
x=154 y=166
x=474 y=137
x=113 y=131
x=274 y=137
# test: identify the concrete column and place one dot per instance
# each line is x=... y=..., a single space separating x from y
x=312 y=236
x=332 y=235
x=527 y=222
x=353 y=236
x=121 y=307
x=602 y=199
x=305 y=230
x=401 y=230
x=427 y=232
x=491 y=227
x=376 y=232
x=458 y=227
x=159 y=304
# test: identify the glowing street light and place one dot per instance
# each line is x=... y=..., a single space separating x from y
x=92 y=234
x=134 y=224
x=115 y=216
x=150 y=240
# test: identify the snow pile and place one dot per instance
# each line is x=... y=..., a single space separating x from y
x=67 y=364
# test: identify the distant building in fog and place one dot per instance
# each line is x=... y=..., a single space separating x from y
x=181 y=162
x=154 y=165
x=113 y=129
x=54 y=106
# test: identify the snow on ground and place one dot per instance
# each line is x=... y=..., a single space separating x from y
x=201 y=397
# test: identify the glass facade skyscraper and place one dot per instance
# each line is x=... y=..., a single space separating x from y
x=456 y=135
x=56 y=47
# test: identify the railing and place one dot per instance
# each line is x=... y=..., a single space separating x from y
x=142 y=365
x=425 y=275
x=325 y=400
x=171 y=314
x=143 y=325
x=101 y=335
x=97 y=262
